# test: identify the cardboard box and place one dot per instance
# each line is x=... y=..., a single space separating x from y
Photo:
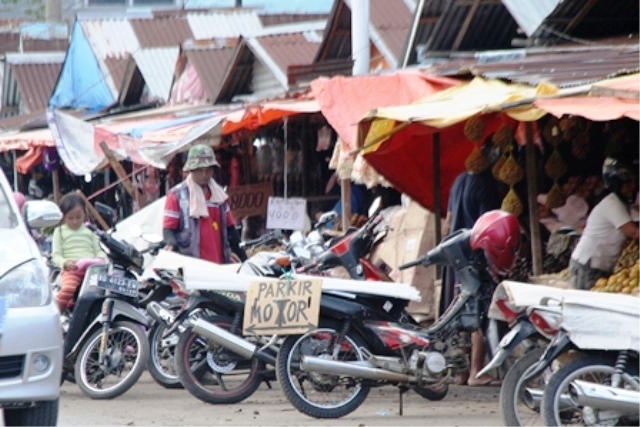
x=412 y=233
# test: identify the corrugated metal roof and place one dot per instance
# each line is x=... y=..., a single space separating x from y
x=224 y=23
x=588 y=20
x=566 y=67
x=390 y=21
x=237 y=80
x=211 y=65
x=157 y=66
x=111 y=38
x=116 y=67
x=161 y=32
x=530 y=14
x=285 y=18
x=9 y=41
x=278 y=52
x=35 y=76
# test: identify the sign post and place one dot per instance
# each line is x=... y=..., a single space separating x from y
x=286 y=214
x=282 y=307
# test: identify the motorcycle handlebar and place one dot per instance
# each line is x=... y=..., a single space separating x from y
x=267 y=238
x=410 y=264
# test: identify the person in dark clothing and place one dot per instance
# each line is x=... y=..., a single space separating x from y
x=471 y=195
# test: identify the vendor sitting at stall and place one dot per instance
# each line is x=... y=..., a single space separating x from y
x=608 y=226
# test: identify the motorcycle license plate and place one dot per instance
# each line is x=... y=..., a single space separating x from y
x=506 y=340
x=119 y=285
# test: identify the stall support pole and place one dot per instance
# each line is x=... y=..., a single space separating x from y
x=55 y=180
x=437 y=190
x=532 y=191
x=345 y=193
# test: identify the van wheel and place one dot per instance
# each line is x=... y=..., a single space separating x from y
x=42 y=414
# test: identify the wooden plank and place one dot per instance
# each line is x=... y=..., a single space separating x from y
x=94 y=212
x=122 y=174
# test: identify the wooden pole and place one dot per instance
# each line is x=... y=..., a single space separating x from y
x=94 y=212
x=55 y=180
x=437 y=191
x=122 y=174
x=345 y=193
x=532 y=191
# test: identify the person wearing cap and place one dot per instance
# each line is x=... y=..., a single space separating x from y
x=197 y=217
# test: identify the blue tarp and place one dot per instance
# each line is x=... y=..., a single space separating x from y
x=81 y=83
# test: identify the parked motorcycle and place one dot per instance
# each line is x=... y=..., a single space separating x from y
x=106 y=346
x=598 y=383
x=361 y=340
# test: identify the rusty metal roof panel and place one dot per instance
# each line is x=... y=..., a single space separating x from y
x=161 y=31
x=211 y=66
x=224 y=23
x=35 y=76
x=567 y=67
x=117 y=67
x=280 y=51
x=390 y=20
x=9 y=41
x=237 y=79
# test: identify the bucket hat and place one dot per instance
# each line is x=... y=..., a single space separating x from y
x=200 y=156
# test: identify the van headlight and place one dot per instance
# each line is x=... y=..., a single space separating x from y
x=26 y=286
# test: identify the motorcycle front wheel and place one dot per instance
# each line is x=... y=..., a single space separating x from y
x=162 y=356
x=517 y=407
x=125 y=358
x=212 y=373
x=559 y=409
x=316 y=394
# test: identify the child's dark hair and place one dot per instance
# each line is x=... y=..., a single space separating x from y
x=70 y=201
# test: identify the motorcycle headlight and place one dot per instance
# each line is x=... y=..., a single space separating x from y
x=26 y=286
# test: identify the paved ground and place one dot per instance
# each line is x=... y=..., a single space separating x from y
x=148 y=404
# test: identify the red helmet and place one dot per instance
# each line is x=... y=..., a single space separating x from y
x=497 y=233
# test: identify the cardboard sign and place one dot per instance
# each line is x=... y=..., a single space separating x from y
x=282 y=307
x=286 y=214
x=249 y=200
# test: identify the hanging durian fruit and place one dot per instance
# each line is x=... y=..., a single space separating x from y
x=502 y=137
x=476 y=162
x=554 y=167
x=495 y=170
x=510 y=172
x=551 y=132
x=474 y=129
x=511 y=203
x=572 y=126
x=555 y=197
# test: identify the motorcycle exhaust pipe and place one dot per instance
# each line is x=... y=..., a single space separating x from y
x=232 y=342
x=533 y=398
x=604 y=397
x=361 y=369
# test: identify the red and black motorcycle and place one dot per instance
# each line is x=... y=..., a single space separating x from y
x=360 y=341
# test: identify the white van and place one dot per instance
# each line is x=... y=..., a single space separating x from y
x=30 y=331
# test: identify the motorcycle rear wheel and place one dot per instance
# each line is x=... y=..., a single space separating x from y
x=212 y=373
x=162 y=360
x=126 y=358
x=325 y=395
x=558 y=411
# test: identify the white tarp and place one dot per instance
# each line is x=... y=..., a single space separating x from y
x=594 y=320
x=200 y=274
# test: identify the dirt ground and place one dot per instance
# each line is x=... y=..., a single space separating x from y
x=148 y=404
